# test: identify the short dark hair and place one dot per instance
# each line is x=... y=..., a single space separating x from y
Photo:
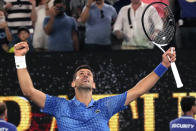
x=58 y=2
x=3 y=108
x=187 y=103
x=23 y=28
x=82 y=67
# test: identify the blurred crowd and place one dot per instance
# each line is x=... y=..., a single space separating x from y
x=87 y=25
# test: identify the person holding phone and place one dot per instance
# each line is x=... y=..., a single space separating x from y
x=5 y=34
x=61 y=29
x=98 y=18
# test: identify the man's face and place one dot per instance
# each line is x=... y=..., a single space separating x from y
x=59 y=8
x=84 y=79
x=135 y=1
x=99 y=1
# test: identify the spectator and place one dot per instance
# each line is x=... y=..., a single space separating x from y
x=4 y=125
x=40 y=39
x=98 y=17
x=23 y=35
x=186 y=23
x=187 y=121
x=128 y=26
x=5 y=34
x=61 y=29
x=20 y=13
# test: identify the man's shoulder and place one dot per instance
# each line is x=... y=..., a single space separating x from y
x=183 y=119
x=11 y=125
x=7 y=124
x=69 y=17
x=108 y=6
x=56 y=98
x=174 y=120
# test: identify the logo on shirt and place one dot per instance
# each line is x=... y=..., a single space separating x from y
x=182 y=125
x=97 y=111
x=3 y=129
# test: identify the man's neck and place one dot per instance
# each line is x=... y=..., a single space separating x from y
x=100 y=5
x=84 y=96
x=189 y=113
x=135 y=6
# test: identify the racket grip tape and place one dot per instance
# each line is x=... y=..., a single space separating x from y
x=160 y=70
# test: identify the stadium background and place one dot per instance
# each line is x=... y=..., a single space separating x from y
x=52 y=74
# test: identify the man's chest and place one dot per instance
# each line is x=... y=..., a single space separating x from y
x=83 y=114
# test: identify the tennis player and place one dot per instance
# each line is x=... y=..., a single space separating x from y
x=187 y=121
x=82 y=112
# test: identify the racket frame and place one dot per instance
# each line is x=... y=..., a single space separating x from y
x=174 y=69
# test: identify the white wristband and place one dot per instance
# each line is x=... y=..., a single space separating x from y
x=20 y=62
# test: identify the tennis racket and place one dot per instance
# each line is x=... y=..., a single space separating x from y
x=159 y=26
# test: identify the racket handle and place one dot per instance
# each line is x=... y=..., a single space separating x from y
x=176 y=75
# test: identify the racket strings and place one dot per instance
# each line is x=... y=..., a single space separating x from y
x=159 y=24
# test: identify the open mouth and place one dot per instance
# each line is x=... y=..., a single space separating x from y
x=85 y=81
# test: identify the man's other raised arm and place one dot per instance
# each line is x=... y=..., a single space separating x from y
x=150 y=80
x=24 y=78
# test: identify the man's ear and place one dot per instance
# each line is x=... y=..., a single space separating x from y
x=73 y=84
x=94 y=85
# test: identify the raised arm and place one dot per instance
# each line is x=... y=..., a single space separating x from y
x=33 y=12
x=49 y=25
x=24 y=78
x=85 y=13
x=149 y=81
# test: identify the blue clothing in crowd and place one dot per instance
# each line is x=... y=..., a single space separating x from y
x=72 y=115
x=98 y=25
x=6 y=126
x=60 y=38
x=188 y=9
x=184 y=123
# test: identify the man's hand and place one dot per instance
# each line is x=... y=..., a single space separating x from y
x=118 y=34
x=89 y=3
x=3 y=25
x=21 y=49
x=52 y=12
x=168 y=57
x=33 y=2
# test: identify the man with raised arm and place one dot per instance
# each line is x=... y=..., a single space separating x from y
x=82 y=112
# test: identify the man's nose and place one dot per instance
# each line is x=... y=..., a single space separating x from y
x=85 y=75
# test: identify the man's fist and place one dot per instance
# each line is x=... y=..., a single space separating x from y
x=168 y=57
x=20 y=49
